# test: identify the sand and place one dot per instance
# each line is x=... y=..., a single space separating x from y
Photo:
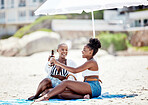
x=20 y=76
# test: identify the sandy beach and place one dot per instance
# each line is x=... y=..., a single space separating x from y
x=20 y=76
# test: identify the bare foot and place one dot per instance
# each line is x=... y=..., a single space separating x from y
x=43 y=98
x=87 y=96
x=32 y=98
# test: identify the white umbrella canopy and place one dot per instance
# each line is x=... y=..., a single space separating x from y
x=54 y=7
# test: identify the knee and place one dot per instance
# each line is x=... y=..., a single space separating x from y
x=65 y=82
x=45 y=81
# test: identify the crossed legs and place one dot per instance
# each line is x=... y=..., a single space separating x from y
x=67 y=94
x=80 y=88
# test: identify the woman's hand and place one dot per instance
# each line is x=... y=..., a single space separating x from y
x=53 y=60
x=49 y=58
x=49 y=63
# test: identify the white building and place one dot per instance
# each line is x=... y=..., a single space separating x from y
x=16 y=13
x=129 y=17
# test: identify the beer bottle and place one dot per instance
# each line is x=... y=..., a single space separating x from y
x=52 y=55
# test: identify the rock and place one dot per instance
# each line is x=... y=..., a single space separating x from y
x=79 y=43
x=37 y=42
x=9 y=47
x=69 y=43
x=140 y=38
x=101 y=53
x=111 y=50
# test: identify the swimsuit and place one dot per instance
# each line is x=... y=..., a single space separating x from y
x=93 y=82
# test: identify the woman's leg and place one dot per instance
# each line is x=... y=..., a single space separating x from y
x=67 y=94
x=44 y=84
x=70 y=95
x=45 y=91
x=81 y=88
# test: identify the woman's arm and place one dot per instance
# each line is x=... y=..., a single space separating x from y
x=81 y=68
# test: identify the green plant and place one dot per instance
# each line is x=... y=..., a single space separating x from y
x=5 y=36
x=129 y=45
x=117 y=39
x=44 y=29
x=26 y=29
x=84 y=15
x=144 y=48
x=42 y=18
x=22 y=31
x=98 y=14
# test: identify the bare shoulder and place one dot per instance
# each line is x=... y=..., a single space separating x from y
x=93 y=65
x=94 y=62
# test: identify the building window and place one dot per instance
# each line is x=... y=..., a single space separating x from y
x=145 y=22
x=41 y=1
x=12 y=3
x=2 y=15
x=137 y=23
x=2 y=4
x=38 y=1
x=22 y=3
x=22 y=13
x=31 y=13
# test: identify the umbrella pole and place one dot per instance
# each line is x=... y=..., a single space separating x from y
x=93 y=25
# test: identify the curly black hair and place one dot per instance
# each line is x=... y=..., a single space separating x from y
x=94 y=44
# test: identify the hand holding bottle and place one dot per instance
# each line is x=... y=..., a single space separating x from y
x=52 y=55
x=52 y=60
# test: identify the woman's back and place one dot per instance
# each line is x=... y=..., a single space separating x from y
x=90 y=73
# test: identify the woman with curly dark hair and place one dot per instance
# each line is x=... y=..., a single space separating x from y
x=89 y=69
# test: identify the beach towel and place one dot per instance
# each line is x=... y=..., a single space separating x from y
x=28 y=102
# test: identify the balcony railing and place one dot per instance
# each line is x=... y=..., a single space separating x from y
x=22 y=19
x=33 y=17
x=22 y=5
x=2 y=6
x=10 y=6
x=2 y=21
x=11 y=20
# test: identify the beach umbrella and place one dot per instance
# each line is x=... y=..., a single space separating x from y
x=54 y=7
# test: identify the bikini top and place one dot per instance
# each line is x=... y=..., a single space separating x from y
x=90 y=73
x=62 y=72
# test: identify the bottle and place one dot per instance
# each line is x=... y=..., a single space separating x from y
x=52 y=55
